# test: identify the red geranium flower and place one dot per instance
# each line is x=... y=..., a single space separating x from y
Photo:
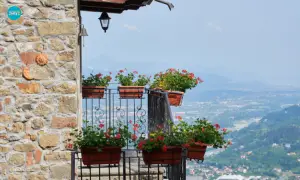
x=217 y=126
x=179 y=118
x=186 y=145
x=160 y=126
x=141 y=144
x=200 y=80
x=135 y=127
x=160 y=138
x=224 y=130
x=101 y=125
x=99 y=75
x=70 y=146
x=118 y=136
x=164 y=148
x=133 y=137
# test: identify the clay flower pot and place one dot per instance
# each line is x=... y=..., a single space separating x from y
x=175 y=98
x=131 y=92
x=108 y=155
x=93 y=91
x=171 y=156
x=196 y=152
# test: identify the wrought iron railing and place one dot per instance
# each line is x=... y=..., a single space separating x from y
x=151 y=110
x=131 y=167
x=111 y=109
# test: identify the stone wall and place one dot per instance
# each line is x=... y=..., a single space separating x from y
x=39 y=86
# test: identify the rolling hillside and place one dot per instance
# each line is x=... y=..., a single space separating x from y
x=270 y=147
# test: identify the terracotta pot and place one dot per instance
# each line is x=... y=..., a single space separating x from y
x=171 y=156
x=175 y=98
x=131 y=92
x=108 y=155
x=196 y=152
x=93 y=91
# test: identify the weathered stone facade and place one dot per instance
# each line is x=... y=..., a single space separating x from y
x=39 y=88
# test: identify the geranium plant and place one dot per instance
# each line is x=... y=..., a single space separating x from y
x=99 y=137
x=161 y=140
x=96 y=80
x=202 y=132
x=175 y=80
x=126 y=78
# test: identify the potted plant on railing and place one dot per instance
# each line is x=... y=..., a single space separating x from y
x=162 y=147
x=132 y=84
x=201 y=135
x=175 y=82
x=94 y=85
x=100 y=146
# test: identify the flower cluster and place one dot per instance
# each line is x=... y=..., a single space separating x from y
x=161 y=139
x=98 y=136
x=126 y=78
x=135 y=128
x=175 y=80
x=156 y=141
x=202 y=132
x=96 y=80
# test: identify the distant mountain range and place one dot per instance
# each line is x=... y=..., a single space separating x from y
x=270 y=147
x=214 y=85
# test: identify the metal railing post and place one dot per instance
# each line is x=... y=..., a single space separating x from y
x=72 y=165
x=109 y=107
x=124 y=165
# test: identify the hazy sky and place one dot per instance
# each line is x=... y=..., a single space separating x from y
x=240 y=39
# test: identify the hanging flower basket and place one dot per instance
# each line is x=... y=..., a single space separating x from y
x=196 y=152
x=108 y=155
x=131 y=92
x=171 y=156
x=175 y=98
x=93 y=91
